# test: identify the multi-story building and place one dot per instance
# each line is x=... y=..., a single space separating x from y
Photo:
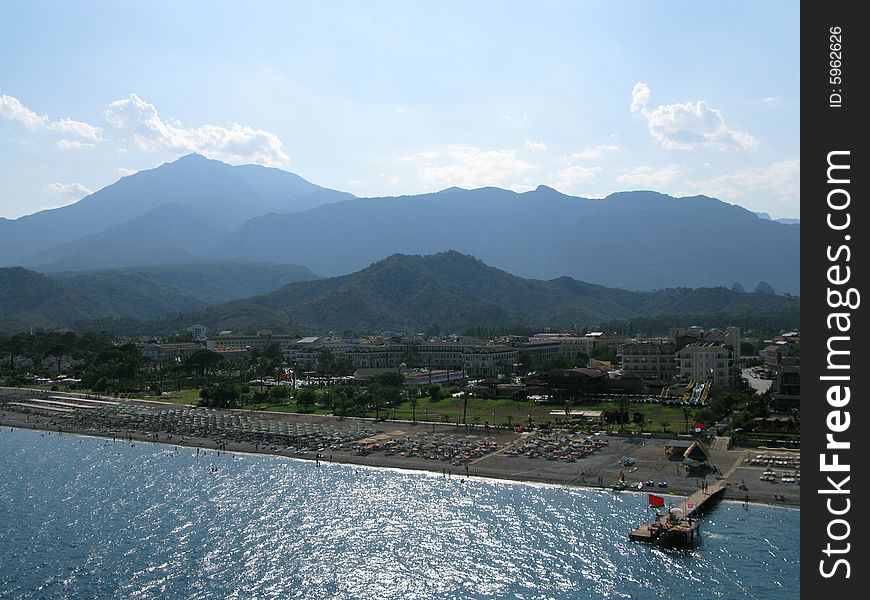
x=160 y=352
x=474 y=360
x=260 y=341
x=730 y=337
x=199 y=332
x=702 y=361
x=783 y=359
x=543 y=346
x=653 y=361
x=489 y=361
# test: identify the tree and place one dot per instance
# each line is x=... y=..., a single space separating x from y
x=279 y=392
x=58 y=351
x=325 y=361
x=221 y=395
x=622 y=407
x=391 y=378
x=345 y=397
x=555 y=363
x=202 y=361
x=305 y=399
x=604 y=353
x=687 y=413
x=273 y=356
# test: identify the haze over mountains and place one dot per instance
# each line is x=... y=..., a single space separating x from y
x=455 y=292
x=29 y=299
x=450 y=291
x=196 y=209
x=163 y=215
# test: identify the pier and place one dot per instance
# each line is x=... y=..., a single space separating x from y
x=679 y=527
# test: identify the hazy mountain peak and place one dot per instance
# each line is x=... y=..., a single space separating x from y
x=227 y=195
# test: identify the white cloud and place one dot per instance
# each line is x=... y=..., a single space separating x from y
x=519 y=120
x=392 y=179
x=640 y=97
x=595 y=152
x=139 y=122
x=471 y=167
x=779 y=181
x=535 y=146
x=124 y=172
x=73 y=190
x=689 y=125
x=770 y=100
x=567 y=179
x=647 y=177
x=11 y=108
x=66 y=144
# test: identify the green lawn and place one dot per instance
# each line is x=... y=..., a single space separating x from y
x=496 y=411
x=501 y=411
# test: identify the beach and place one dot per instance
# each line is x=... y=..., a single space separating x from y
x=559 y=457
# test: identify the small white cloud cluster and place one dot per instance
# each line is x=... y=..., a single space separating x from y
x=567 y=179
x=138 y=121
x=650 y=178
x=11 y=108
x=72 y=190
x=594 y=152
x=780 y=180
x=472 y=167
x=689 y=125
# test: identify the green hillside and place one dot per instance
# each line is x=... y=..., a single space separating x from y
x=456 y=292
x=29 y=299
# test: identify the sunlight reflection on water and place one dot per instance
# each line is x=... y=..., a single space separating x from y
x=85 y=518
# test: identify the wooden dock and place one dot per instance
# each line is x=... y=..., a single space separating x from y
x=680 y=528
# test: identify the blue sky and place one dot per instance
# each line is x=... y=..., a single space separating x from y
x=388 y=98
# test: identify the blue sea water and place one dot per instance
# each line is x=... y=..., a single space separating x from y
x=84 y=517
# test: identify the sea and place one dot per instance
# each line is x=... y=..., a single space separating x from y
x=85 y=517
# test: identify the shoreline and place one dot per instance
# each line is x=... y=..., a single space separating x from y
x=549 y=475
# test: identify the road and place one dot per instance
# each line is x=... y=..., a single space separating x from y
x=759 y=385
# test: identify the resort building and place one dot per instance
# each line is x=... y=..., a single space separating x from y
x=654 y=361
x=703 y=361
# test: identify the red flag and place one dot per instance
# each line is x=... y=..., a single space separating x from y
x=699 y=426
x=656 y=500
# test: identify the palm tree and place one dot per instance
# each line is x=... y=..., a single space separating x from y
x=664 y=425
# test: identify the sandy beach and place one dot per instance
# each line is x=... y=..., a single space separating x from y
x=451 y=450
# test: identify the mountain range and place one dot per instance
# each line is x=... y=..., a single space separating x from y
x=29 y=299
x=201 y=210
x=454 y=292
x=165 y=215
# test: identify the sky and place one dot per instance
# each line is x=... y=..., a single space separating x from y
x=385 y=98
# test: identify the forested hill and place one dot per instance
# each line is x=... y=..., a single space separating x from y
x=57 y=301
x=455 y=292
